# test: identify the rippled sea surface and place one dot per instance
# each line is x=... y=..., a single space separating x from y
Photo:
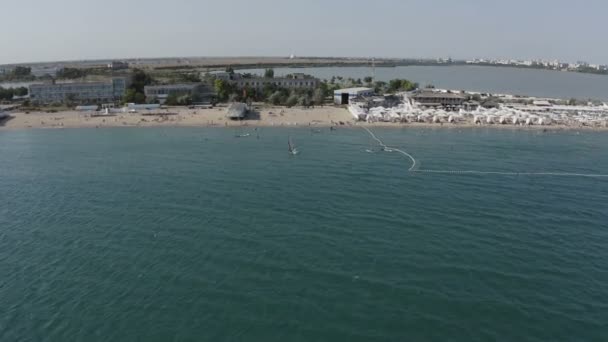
x=190 y=234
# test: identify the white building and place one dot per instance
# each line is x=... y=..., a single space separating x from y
x=343 y=96
x=83 y=92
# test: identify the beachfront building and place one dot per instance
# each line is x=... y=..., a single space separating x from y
x=200 y=92
x=84 y=92
x=440 y=99
x=345 y=96
x=294 y=81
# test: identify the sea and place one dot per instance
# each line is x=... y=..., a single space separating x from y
x=485 y=79
x=192 y=234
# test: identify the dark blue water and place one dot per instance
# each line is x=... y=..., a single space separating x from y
x=188 y=234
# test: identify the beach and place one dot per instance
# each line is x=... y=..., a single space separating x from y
x=262 y=116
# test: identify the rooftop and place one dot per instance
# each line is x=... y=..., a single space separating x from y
x=353 y=90
x=439 y=95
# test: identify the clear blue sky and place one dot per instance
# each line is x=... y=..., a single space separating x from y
x=45 y=30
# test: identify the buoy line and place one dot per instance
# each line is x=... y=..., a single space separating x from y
x=477 y=172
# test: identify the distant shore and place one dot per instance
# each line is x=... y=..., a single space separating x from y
x=325 y=116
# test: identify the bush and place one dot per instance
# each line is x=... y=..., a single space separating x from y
x=292 y=100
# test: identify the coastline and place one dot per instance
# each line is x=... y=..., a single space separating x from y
x=325 y=116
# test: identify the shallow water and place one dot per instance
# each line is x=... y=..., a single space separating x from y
x=189 y=234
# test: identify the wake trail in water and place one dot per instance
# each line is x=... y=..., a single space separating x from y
x=477 y=172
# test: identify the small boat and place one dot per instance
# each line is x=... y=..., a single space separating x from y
x=292 y=148
x=242 y=135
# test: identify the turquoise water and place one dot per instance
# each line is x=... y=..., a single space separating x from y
x=501 y=80
x=189 y=234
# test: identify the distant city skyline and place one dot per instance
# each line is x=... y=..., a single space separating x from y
x=67 y=30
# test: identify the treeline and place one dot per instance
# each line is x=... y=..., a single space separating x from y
x=228 y=92
x=19 y=73
x=6 y=94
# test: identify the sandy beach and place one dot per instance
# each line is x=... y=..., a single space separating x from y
x=266 y=116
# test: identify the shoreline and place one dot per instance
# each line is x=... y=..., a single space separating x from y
x=319 y=117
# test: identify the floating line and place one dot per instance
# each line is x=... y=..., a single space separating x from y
x=476 y=172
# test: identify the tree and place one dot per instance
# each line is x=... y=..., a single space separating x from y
x=276 y=98
x=319 y=96
x=269 y=73
x=20 y=71
x=70 y=99
x=380 y=87
x=304 y=100
x=140 y=98
x=191 y=77
x=140 y=80
x=21 y=91
x=130 y=95
x=71 y=73
x=171 y=100
x=476 y=97
x=368 y=80
x=223 y=89
x=292 y=100
x=6 y=94
x=394 y=85
x=229 y=70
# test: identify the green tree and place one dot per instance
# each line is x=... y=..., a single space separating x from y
x=304 y=100
x=71 y=73
x=140 y=98
x=130 y=95
x=229 y=70
x=394 y=85
x=21 y=91
x=269 y=73
x=380 y=87
x=276 y=98
x=368 y=80
x=292 y=100
x=319 y=96
x=6 y=94
x=70 y=100
x=190 y=77
x=171 y=100
x=21 y=71
x=223 y=89
x=140 y=79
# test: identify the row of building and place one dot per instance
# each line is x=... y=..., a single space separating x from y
x=425 y=98
x=293 y=81
x=113 y=90
x=553 y=64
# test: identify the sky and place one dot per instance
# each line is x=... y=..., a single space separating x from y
x=54 y=30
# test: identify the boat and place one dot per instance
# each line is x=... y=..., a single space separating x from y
x=242 y=135
x=292 y=148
